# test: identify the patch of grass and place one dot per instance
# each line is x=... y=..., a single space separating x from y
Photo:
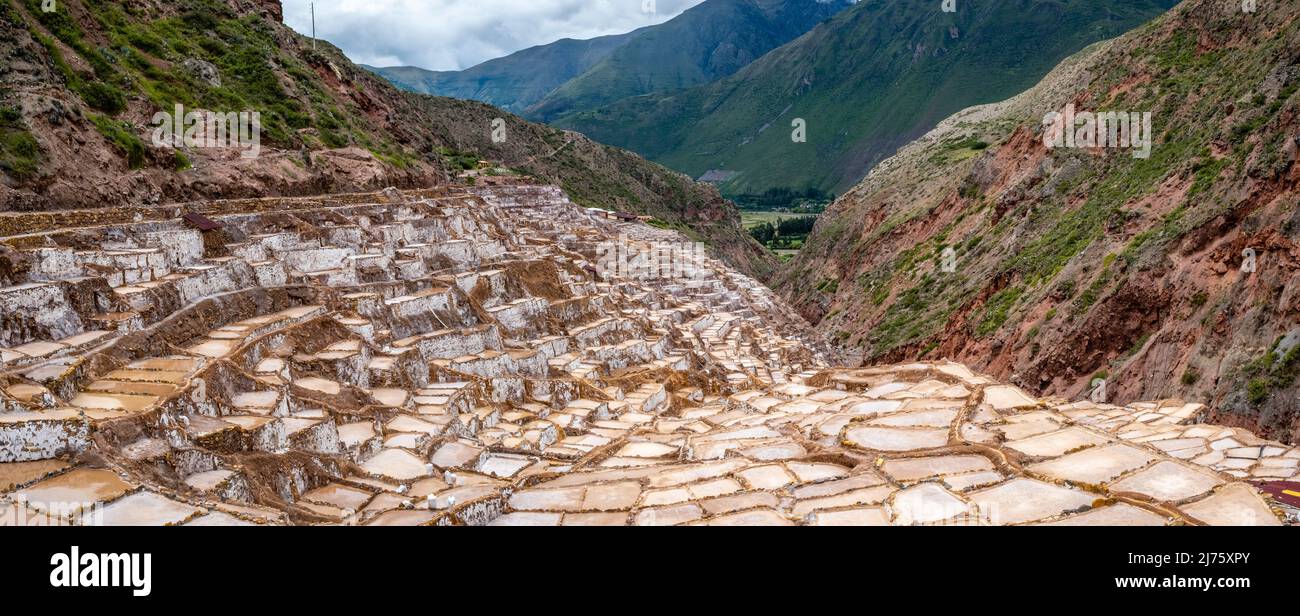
x=1137 y=345
x=1269 y=372
x=99 y=93
x=997 y=310
x=1258 y=391
x=456 y=160
x=20 y=153
x=120 y=135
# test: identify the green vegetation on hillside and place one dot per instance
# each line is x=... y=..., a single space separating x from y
x=709 y=41
x=786 y=233
x=783 y=198
x=158 y=57
x=19 y=152
x=868 y=81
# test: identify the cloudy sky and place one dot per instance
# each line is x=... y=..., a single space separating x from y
x=457 y=34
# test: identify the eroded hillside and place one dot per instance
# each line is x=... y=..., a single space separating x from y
x=1172 y=275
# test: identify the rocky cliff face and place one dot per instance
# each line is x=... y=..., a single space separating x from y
x=82 y=87
x=274 y=9
x=1173 y=274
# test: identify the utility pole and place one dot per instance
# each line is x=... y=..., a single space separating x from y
x=313 y=26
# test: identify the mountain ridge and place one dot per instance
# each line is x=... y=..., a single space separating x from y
x=710 y=40
x=513 y=82
x=903 y=66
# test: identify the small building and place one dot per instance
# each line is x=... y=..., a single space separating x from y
x=201 y=222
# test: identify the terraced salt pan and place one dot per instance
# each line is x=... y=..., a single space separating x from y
x=1025 y=500
x=14 y=474
x=767 y=477
x=646 y=450
x=399 y=517
x=969 y=481
x=214 y=348
x=748 y=420
x=318 y=384
x=926 y=503
x=114 y=402
x=925 y=419
x=852 y=498
x=74 y=491
x=896 y=439
x=1006 y=397
x=1057 y=443
x=455 y=454
x=1235 y=504
x=208 y=480
x=1168 y=481
x=1096 y=465
x=144 y=509
x=397 y=464
x=504 y=465
x=219 y=518
x=1119 y=514
x=912 y=469
x=175 y=377
x=865 y=516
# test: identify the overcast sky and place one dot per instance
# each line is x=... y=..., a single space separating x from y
x=457 y=34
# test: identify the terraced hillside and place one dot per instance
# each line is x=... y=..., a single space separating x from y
x=1173 y=275
x=498 y=355
x=82 y=85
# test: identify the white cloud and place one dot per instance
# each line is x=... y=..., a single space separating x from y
x=457 y=34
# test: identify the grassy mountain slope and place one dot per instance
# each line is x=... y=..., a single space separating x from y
x=711 y=40
x=513 y=82
x=1077 y=264
x=868 y=81
x=82 y=84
